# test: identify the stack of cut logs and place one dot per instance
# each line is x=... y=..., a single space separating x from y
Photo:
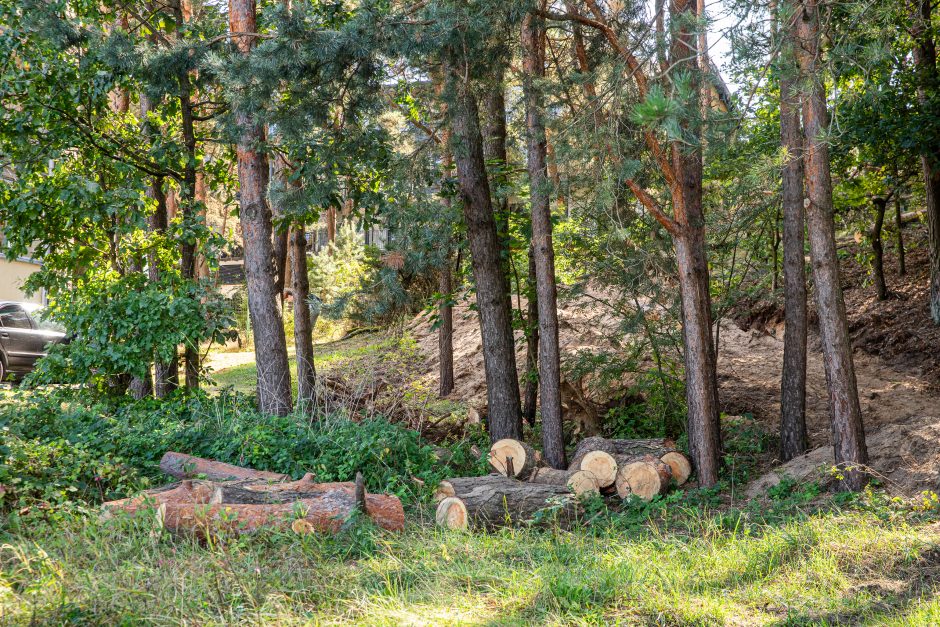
x=521 y=486
x=214 y=496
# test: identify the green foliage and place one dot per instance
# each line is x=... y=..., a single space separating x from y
x=61 y=444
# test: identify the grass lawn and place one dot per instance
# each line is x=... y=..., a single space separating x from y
x=867 y=565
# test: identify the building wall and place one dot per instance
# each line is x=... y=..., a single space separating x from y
x=12 y=276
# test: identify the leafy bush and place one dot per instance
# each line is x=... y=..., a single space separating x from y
x=56 y=445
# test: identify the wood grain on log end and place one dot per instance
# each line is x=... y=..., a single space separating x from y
x=602 y=465
x=522 y=456
x=452 y=513
x=679 y=465
x=645 y=479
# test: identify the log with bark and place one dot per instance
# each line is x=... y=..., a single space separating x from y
x=252 y=503
x=580 y=482
x=184 y=466
x=645 y=478
x=512 y=458
x=499 y=501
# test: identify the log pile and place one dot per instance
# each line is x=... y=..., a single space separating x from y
x=214 y=497
x=520 y=487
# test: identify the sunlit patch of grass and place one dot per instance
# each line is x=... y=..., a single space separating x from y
x=836 y=567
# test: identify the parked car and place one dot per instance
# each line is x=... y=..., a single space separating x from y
x=24 y=336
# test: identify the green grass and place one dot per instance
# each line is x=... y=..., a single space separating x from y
x=243 y=377
x=866 y=566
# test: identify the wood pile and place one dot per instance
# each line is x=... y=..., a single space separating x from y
x=521 y=486
x=214 y=496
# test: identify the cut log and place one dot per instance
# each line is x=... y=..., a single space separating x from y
x=578 y=481
x=458 y=486
x=646 y=479
x=632 y=448
x=204 y=508
x=184 y=466
x=513 y=458
x=680 y=466
x=505 y=502
x=601 y=464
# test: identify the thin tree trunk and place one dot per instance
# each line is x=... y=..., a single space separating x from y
x=492 y=288
x=303 y=323
x=553 y=439
x=793 y=436
x=899 y=225
x=494 y=152
x=445 y=338
x=280 y=234
x=202 y=198
x=925 y=60
x=847 y=431
x=878 y=268
x=273 y=385
x=531 y=389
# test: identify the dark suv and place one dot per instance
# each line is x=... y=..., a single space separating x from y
x=24 y=336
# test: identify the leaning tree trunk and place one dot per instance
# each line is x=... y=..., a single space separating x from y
x=303 y=323
x=925 y=60
x=848 y=433
x=553 y=438
x=793 y=437
x=877 y=249
x=273 y=382
x=492 y=288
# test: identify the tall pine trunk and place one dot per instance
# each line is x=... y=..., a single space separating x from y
x=925 y=60
x=847 y=431
x=492 y=288
x=303 y=323
x=445 y=337
x=273 y=384
x=793 y=437
x=700 y=368
x=553 y=440
x=899 y=226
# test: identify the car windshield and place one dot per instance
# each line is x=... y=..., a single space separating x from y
x=40 y=317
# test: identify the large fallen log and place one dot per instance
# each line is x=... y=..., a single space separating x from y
x=501 y=501
x=204 y=507
x=184 y=466
x=634 y=448
x=513 y=458
x=458 y=486
x=580 y=482
x=644 y=478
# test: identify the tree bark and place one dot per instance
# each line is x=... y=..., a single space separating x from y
x=899 y=225
x=495 y=155
x=492 y=287
x=530 y=393
x=925 y=60
x=700 y=369
x=793 y=437
x=507 y=502
x=273 y=384
x=877 y=248
x=303 y=323
x=553 y=438
x=184 y=466
x=445 y=337
x=847 y=431
x=580 y=482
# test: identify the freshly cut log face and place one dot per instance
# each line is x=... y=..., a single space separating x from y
x=602 y=465
x=512 y=458
x=503 y=502
x=646 y=479
x=578 y=481
x=679 y=465
x=184 y=466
